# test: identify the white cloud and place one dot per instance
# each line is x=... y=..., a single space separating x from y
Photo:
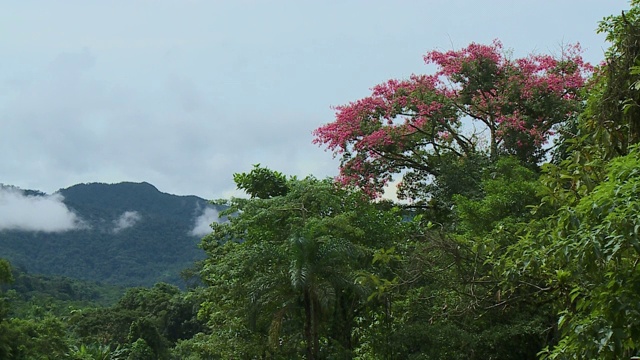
x=46 y=213
x=126 y=220
x=202 y=224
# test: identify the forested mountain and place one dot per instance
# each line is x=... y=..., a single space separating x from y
x=126 y=234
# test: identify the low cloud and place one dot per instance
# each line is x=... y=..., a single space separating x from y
x=202 y=224
x=45 y=213
x=126 y=220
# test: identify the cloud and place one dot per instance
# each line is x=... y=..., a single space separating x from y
x=97 y=122
x=46 y=213
x=201 y=227
x=126 y=220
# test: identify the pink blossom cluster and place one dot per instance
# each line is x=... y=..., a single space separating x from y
x=451 y=62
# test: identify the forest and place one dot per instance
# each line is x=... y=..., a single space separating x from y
x=516 y=233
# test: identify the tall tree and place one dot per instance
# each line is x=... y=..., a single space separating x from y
x=281 y=270
x=414 y=125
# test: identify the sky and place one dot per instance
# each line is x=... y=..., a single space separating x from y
x=184 y=93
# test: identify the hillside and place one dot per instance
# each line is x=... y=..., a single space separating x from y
x=127 y=234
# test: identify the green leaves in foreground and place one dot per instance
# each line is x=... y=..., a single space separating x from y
x=589 y=253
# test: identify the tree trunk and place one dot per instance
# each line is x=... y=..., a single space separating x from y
x=633 y=119
x=493 y=151
x=315 y=315
x=308 y=312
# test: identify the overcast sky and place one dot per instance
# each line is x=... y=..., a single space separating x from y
x=183 y=93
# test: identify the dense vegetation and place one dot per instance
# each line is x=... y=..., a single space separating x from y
x=506 y=247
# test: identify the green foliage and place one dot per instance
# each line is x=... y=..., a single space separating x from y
x=281 y=271
x=449 y=302
x=5 y=272
x=593 y=249
x=613 y=116
x=5 y=277
x=57 y=293
x=35 y=338
x=508 y=189
x=261 y=182
x=140 y=350
x=146 y=341
x=90 y=352
x=456 y=176
x=161 y=316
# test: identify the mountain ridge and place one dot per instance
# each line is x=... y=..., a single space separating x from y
x=127 y=233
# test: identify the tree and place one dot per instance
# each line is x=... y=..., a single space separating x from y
x=614 y=116
x=281 y=270
x=261 y=182
x=413 y=126
x=5 y=272
x=5 y=277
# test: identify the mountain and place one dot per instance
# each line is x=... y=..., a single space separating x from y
x=128 y=234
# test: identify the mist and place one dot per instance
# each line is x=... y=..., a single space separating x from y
x=202 y=224
x=44 y=213
x=126 y=220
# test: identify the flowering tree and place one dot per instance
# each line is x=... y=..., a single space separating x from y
x=478 y=101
